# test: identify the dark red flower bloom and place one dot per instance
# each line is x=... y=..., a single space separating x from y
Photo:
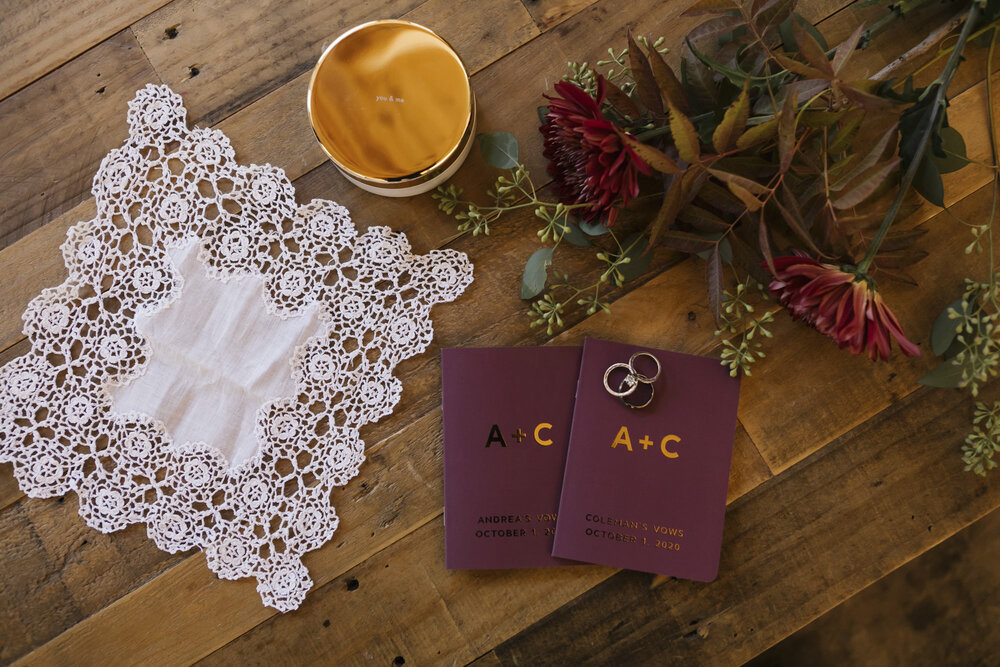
x=844 y=306
x=588 y=161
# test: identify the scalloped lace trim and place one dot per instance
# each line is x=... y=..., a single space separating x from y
x=166 y=187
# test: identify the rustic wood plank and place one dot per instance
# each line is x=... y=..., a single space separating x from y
x=79 y=564
x=274 y=129
x=202 y=49
x=39 y=36
x=422 y=389
x=779 y=416
x=57 y=130
x=9 y=491
x=289 y=37
x=837 y=522
x=938 y=609
x=550 y=13
x=534 y=94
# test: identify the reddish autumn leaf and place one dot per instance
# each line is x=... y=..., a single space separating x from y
x=846 y=48
x=642 y=74
x=786 y=131
x=865 y=185
x=671 y=89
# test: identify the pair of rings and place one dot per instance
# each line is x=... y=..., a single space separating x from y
x=633 y=379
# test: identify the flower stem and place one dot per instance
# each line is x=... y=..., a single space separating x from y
x=941 y=88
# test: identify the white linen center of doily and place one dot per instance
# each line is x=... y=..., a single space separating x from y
x=216 y=357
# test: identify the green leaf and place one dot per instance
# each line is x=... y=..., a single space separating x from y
x=928 y=183
x=788 y=36
x=542 y=112
x=725 y=248
x=954 y=151
x=576 y=236
x=595 y=228
x=638 y=257
x=736 y=77
x=944 y=330
x=945 y=375
x=535 y=273
x=499 y=149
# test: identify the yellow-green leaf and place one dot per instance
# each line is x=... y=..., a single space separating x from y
x=733 y=122
x=757 y=134
x=654 y=157
x=685 y=136
x=751 y=202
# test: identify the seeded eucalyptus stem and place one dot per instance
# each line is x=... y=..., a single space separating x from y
x=940 y=86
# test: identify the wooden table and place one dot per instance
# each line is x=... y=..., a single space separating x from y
x=844 y=470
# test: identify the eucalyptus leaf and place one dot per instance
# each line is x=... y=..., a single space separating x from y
x=946 y=375
x=788 y=35
x=535 y=273
x=576 y=236
x=542 y=113
x=944 y=329
x=499 y=149
x=638 y=257
x=928 y=183
x=725 y=249
x=595 y=228
x=954 y=151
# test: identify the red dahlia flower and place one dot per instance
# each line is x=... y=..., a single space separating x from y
x=588 y=162
x=844 y=306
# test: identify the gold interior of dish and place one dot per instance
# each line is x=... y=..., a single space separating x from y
x=389 y=100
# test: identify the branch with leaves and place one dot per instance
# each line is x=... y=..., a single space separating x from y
x=773 y=165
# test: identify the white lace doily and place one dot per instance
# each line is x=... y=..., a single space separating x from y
x=171 y=196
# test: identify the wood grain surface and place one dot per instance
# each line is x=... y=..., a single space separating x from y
x=847 y=498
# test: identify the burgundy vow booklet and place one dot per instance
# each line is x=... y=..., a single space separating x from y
x=645 y=489
x=506 y=414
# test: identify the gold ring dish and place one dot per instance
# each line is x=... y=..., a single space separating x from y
x=392 y=105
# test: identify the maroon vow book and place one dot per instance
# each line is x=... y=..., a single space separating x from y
x=645 y=489
x=506 y=414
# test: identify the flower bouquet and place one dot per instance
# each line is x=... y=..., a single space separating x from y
x=776 y=165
